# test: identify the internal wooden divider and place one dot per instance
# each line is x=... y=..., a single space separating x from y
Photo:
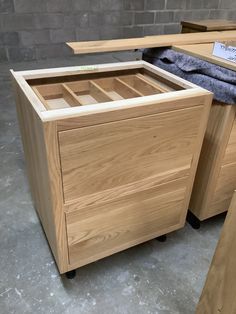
x=67 y=94
x=125 y=90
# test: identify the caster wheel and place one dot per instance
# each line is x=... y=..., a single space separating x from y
x=71 y=274
x=194 y=222
x=162 y=238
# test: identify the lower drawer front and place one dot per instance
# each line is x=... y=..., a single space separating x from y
x=98 y=231
x=224 y=190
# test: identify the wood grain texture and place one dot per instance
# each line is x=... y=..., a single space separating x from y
x=218 y=295
x=42 y=160
x=95 y=232
x=149 y=42
x=213 y=150
x=127 y=165
x=230 y=152
x=226 y=184
x=204 y=52
x=209 y=25
x=127 y=151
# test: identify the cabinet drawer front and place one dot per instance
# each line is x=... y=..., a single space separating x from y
x=226 y=184
x=230 y=153
x=106 y=156
x=98 y=231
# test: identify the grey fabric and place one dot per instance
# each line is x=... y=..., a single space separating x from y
x=219 y=80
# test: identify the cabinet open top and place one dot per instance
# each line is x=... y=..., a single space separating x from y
x=72 y=91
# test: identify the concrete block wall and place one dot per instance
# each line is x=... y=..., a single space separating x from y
x=37 y=29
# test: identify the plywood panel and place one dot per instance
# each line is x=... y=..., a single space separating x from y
x=230 y=153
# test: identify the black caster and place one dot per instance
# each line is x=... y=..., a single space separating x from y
x=71 y=274
x=162 y=238
x=194 y=222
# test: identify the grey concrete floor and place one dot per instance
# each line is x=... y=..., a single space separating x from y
x=150 y=278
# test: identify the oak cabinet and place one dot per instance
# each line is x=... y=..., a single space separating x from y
x=111 y=153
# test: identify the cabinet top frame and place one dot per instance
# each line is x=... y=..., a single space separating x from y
x=26 y=79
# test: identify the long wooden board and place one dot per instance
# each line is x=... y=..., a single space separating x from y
x=204 y=52
x=218 y=295
x=149 y=42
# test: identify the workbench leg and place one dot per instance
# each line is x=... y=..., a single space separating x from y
x=193 y=220
x=71 y=274
x=162 y=238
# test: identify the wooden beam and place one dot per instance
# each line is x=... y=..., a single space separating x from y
x=150 y=42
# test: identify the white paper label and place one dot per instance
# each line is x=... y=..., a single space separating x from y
x=225 y=52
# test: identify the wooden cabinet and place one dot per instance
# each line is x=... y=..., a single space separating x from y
x=207 y=26
x=216 y=174
x=111 y=153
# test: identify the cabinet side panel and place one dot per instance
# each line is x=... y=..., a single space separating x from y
x=33 y=137
x=215 y=141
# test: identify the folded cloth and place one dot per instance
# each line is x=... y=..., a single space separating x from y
x=217 y=79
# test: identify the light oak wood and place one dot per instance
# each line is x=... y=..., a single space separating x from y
x=95 y=232
x=218 y=295
x=208 y=25
x=149 y=42
x=215 y=145
x=120 y=171
x=204 y=52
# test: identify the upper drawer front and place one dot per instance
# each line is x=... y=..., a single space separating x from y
x=111 y=155
x=230 y=153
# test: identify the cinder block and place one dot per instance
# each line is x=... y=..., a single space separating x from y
x=49 y=20
x=87 y=34
x=202 y=4
x=133 y=31
x=111 y=32
x=69 y=21
x=18 y=54
x=29 y=6
x=13 y=22
x=227 y=4
x=3 y=54
x=111 y=5
x=6 y=6
x=164 y=17
x=177 y=4
x=144 y=18
x=34 y=37
x=82 y=19
x=117 y=18
x=153 y=30
x=200 y=14
x=59 y=6
x=172 y=28
x=219 y=14
x=95 y=19
x=134 y=5
x=9 y=38
x=82 y=5
x=52 y=51
x=155 y=5
x=62 y=35
x=182 y=15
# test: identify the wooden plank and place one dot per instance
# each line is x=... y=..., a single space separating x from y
x=204 y=52
x=99 y=93
x=69 y=96
x=149 y=42
x=218 y=295
x=209 y=25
